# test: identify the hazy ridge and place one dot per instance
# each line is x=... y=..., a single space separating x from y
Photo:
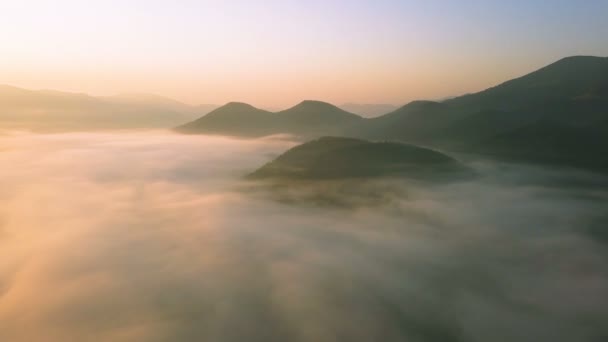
x=64 y=111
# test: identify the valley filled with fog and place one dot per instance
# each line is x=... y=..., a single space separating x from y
x=156 y=236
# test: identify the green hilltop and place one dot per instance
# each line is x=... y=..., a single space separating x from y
x=341 y=158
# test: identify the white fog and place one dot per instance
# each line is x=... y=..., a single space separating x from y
x=150 y=235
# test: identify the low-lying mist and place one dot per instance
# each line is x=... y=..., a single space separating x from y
x=150 y=236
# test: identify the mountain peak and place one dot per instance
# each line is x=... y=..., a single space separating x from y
x=236 y=108
x=313 y=104
x=575 y=65
x=232 y=118
x=237 y=105
x=581 y=58
x=318 y=112
x=315 y=108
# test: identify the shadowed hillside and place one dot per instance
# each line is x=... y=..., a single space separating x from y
x=334 y=158
x=558 y=114
x=572 y=91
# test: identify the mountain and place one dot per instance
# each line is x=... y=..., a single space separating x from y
x=412 y=122
x=550 y=141
x=368 y=110
x=54 y=110
x=234 y=118
x=316 y=118
x=341 y=158
x=577 y=79
x=307 y=119
x=555 y=114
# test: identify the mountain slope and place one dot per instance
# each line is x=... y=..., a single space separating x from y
x=582 y=146
x=569 y=79
x=412 y=122
x=550 y=115
x=573 y=90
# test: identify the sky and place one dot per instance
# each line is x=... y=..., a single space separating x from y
x=277 y=53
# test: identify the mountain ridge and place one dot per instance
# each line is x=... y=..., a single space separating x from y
x=307 y=118
x=569 y=96
x=59 y=110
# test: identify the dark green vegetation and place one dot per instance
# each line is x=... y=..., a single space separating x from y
x=340 y=158
x=307 y=119
x=54 y=110
x=558 y=114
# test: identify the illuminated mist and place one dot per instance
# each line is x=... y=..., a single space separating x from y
x=149 y=236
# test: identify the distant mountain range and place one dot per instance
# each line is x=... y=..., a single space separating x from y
x=54 y=110
x=307 y=119
x=558 y=114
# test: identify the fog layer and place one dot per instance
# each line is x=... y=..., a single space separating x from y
x=149 y=236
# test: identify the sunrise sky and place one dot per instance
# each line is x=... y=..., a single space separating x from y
x=277 y=53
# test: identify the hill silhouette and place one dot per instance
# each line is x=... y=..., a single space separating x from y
x=315 y=118
x=557 y=114
x=340 y=158
x=308 y=118
x=234 y=118
x=572 y=91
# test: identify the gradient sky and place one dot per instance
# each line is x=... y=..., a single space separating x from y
x=276 y=53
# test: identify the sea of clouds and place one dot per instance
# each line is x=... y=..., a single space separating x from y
x=155 y=236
